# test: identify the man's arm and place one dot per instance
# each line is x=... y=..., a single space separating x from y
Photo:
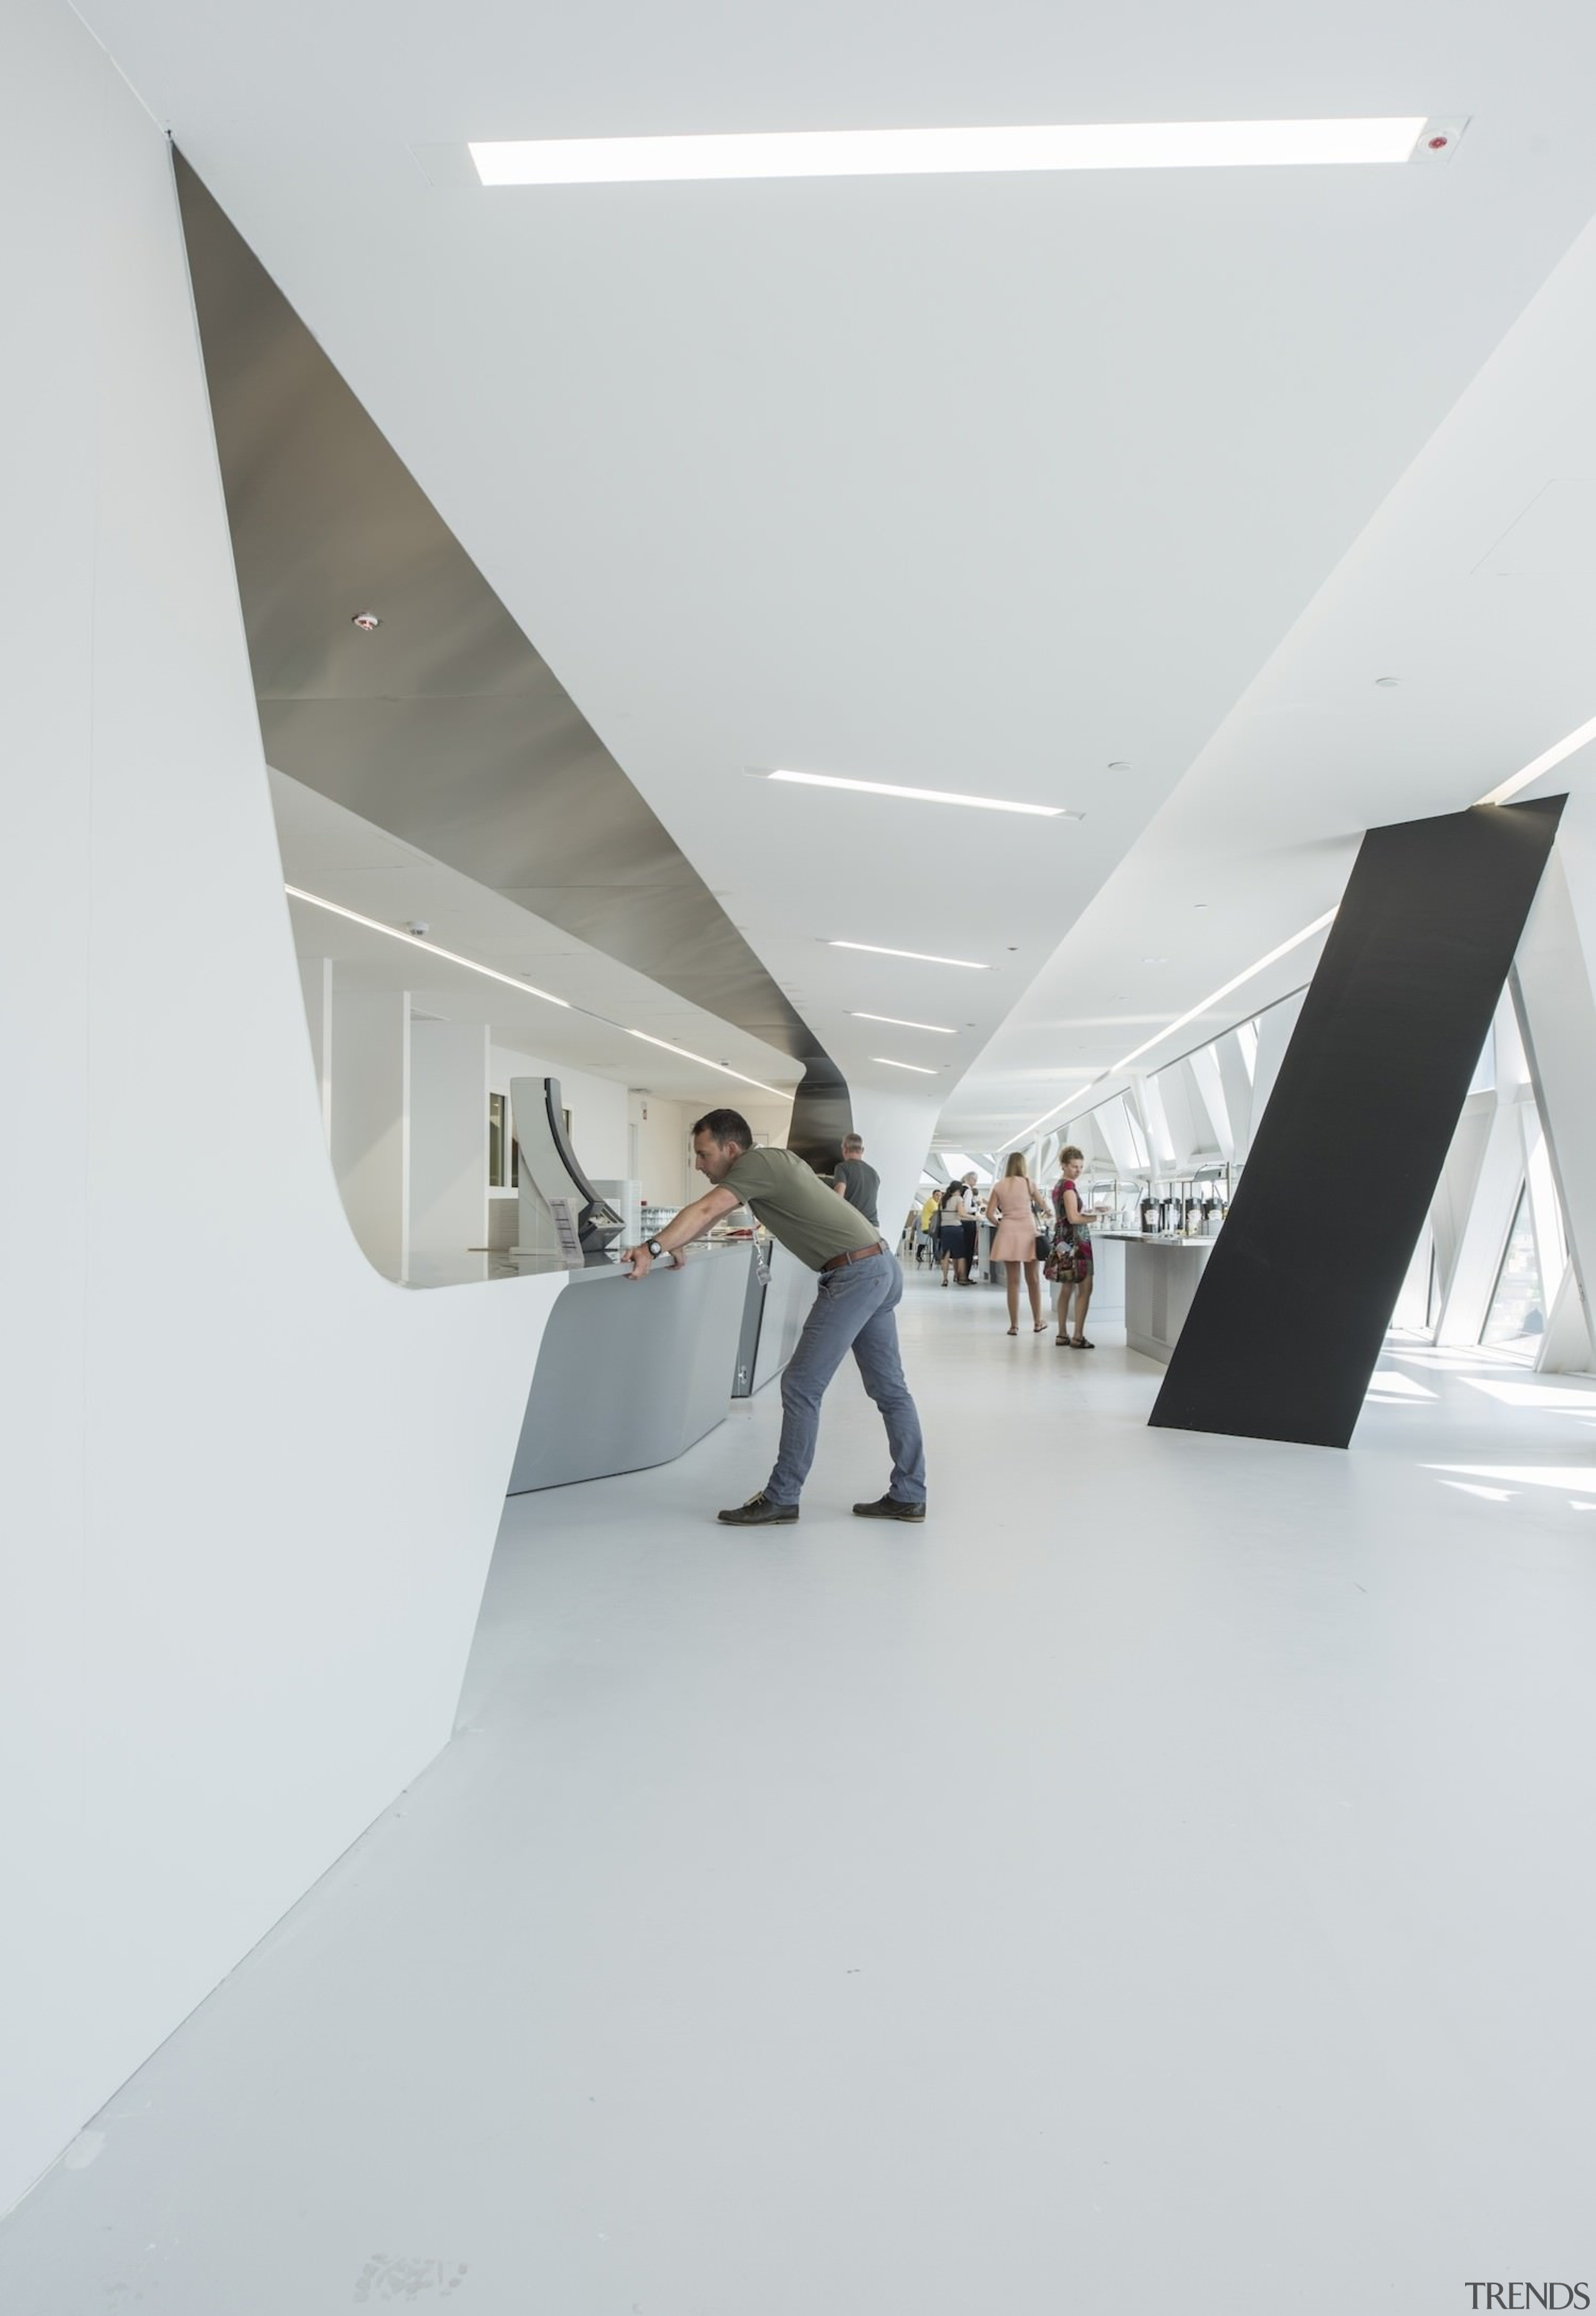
x=691 y=1223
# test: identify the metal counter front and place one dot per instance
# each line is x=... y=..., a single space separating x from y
x=633 y=1371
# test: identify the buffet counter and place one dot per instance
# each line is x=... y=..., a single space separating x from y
x=1161 y=1276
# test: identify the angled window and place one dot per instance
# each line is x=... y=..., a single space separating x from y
x=1517 y=1318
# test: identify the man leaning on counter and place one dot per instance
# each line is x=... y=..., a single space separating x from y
x=859 y=1288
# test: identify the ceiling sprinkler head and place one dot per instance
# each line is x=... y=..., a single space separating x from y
x=366 y=621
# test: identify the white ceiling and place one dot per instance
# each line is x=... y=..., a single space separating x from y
x=978 y=482
x=333 y=854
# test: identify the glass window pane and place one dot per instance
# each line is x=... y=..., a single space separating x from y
x=1516 y=1319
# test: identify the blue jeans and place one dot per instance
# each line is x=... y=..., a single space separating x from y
x=853 y=1310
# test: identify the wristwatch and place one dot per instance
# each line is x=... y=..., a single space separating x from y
x=654 y=1251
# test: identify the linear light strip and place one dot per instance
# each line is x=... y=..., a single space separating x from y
x=893 y=1021
x=945 y=152
x=1215 y=997
x=1565 y=748
x=924 y=796
x=414 y=940
x=512 y=981
x=915 y=956
x=705 y=1063
x=1580 y=737
x=919 y=1068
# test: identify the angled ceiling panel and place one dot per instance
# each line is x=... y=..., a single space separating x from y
x=443 y=724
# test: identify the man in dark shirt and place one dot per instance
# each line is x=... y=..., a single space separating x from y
x=856 y=1296
x=859 y=1184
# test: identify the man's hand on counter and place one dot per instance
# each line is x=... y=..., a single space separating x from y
x=691 y=1223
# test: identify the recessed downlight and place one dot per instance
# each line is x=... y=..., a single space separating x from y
x=914 y=956
x=367 y=622
x=945 y=152
x=895 y=1021
x=924 y=796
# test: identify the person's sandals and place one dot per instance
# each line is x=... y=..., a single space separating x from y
x=1041 y=1328
x=1081 y=1344
x=1014 y=1330
x=1063 y=1344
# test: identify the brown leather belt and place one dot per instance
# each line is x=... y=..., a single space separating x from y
x=858 y=1255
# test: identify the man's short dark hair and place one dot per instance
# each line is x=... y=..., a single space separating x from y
x=725 y=1125
x=852 y=1142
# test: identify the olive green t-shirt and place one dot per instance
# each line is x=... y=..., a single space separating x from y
x=802 y=1212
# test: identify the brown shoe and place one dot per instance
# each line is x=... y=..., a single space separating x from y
x=889 y=1507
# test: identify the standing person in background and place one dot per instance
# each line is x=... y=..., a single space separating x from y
x=859 y=1184
x=950 y=1230
x=1071 y=1260
x=1015 y=1205
x=925 y=1242
x=858 y=1292
x=971 y=1226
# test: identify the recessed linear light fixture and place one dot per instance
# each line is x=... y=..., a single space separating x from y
x=1215 y=997
x=924 y=796
x=894 y=1021
x=953 y=152
x=919 y=1068
x=704 y=1063
x=414 y=940
x=1580 y=737
x=916 y=956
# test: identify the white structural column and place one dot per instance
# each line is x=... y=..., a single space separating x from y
x=1237 y=1084
x=250 y=1489
x=315 y=979
x=1274 y=1035
x=449 y=1079
x=896 y=1130
x=370 y=1134
x=1556 y=1015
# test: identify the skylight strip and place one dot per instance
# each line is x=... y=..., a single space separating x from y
x=946 y=152
x=919 y=1068
x=1215 y=997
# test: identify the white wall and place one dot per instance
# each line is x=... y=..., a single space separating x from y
x=249 y=1489
x=598 y=1107
x=664 y=1144
x=371 y=1119
x=449 y=1074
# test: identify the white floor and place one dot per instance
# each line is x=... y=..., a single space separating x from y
x=1164 y=1882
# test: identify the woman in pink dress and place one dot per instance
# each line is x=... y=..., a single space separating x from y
x=1015 y=1206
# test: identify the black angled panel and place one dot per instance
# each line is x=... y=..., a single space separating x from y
x=1288 y=1320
